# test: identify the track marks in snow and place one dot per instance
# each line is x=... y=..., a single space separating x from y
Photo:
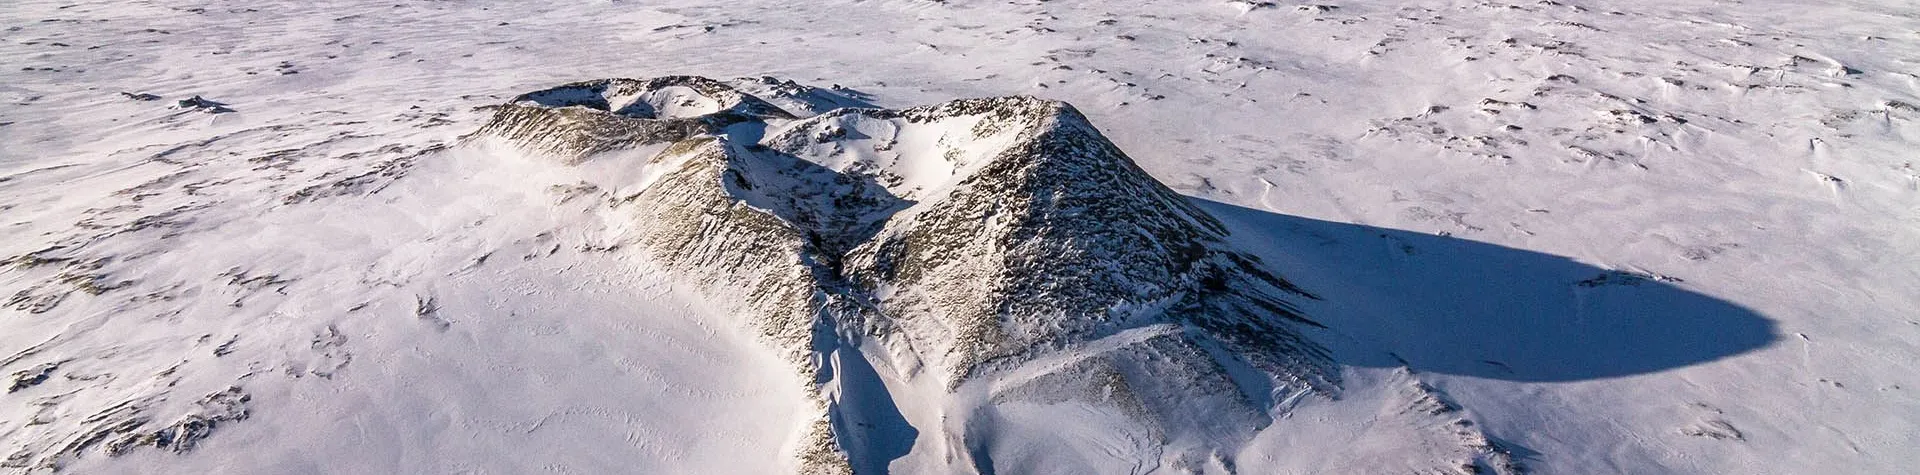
x=1055 y=362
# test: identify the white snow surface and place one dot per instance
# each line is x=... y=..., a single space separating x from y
x=1608 y=237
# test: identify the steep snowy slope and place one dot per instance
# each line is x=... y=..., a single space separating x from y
x=1558 y=236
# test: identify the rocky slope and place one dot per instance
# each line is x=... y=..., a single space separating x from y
x=998 y=248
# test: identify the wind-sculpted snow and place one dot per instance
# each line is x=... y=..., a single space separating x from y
x=1001 y=242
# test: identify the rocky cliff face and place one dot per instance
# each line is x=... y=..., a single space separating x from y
x=997 y=247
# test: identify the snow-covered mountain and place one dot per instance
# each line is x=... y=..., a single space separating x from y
x=1432 y=236
x=1001 y=249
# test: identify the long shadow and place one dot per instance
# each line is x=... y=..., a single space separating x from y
x=866 y=421
x=1454 y=306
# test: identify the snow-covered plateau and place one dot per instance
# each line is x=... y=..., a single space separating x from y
x=960 y=237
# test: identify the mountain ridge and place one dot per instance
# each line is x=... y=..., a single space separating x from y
x=981 y=236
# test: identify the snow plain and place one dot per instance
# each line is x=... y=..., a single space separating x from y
x=1622 y=237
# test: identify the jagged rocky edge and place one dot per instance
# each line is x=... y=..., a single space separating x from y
x=581 y=119
x=1088 y=244
x=129 y=425
x=578 y=120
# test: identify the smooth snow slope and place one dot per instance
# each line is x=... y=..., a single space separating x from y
x=1623 y=237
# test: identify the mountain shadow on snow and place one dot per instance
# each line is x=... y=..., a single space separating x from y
x=987 y=257
x=1454 y=306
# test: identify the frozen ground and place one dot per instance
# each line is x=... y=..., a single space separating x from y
x=1622 y=237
